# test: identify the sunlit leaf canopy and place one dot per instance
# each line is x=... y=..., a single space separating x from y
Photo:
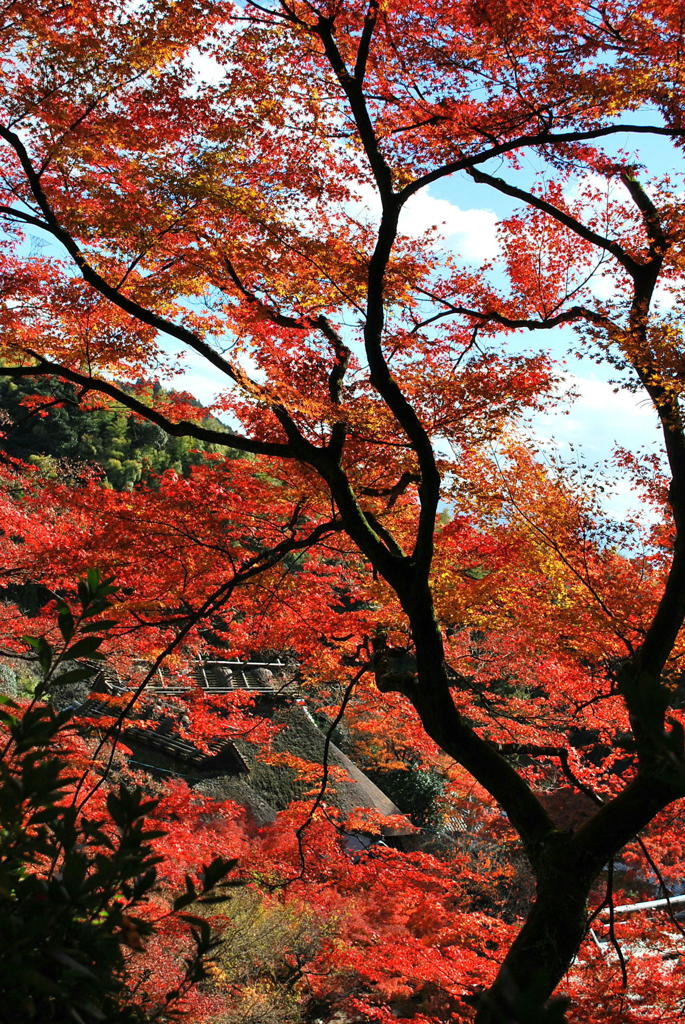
x=191 y=174
x=231 y=202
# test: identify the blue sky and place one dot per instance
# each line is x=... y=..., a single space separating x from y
x=598 y=416
x=595 y=416
x=592 y=416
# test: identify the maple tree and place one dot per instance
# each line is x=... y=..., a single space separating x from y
x=197 y=169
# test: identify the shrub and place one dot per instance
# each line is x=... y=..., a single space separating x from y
x=73 y=885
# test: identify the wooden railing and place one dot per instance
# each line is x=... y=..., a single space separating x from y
x=214 y=676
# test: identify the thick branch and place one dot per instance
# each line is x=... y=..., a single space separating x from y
x=561 y=216
x=352 y=88
x=394 y=490
x=320 y=323
x=402 y=409
x=160 y=323
x=650 y=214
x=670 y=614
x=182 y=428
x=365 y=42
x=617 y=822
x=377 y=544
x=640 y=677
x=524 y=141
x=381 y=378
x=492 y=316
x=428 y=689
x=446 y=726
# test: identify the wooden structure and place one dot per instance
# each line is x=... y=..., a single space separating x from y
x=154 y=731
x=215 y=676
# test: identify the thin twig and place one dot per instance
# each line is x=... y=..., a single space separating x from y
x=612 y=930
x=325 y=763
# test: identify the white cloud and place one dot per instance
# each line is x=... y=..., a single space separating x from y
x=603 y=287
x=597 y=184
x=621 y=499
x=208 y=71
x=196 y=375
x=596 y=417
x=201 y=386
x=602 y=396
x=470 y=234
x=597 y=420
x=668 y=295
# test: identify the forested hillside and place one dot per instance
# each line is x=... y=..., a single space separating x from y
x=42 y=423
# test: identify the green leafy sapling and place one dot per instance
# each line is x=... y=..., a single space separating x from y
x=73 y=881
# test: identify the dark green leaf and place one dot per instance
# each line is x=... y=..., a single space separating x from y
x=65 y=621
x=83 y=648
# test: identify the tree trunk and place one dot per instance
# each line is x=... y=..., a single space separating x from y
x=566 y=867
x=565 y=864
x=541 y=953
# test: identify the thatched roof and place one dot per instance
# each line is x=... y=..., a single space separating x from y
x=152 y=735
x=301 y=737
x=235 y=769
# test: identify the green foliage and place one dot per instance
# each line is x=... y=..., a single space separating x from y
x=8 y=681
x=126 y=448
x=267 y=938
x=72 y=884
x=414 y=790
x=268 y=947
